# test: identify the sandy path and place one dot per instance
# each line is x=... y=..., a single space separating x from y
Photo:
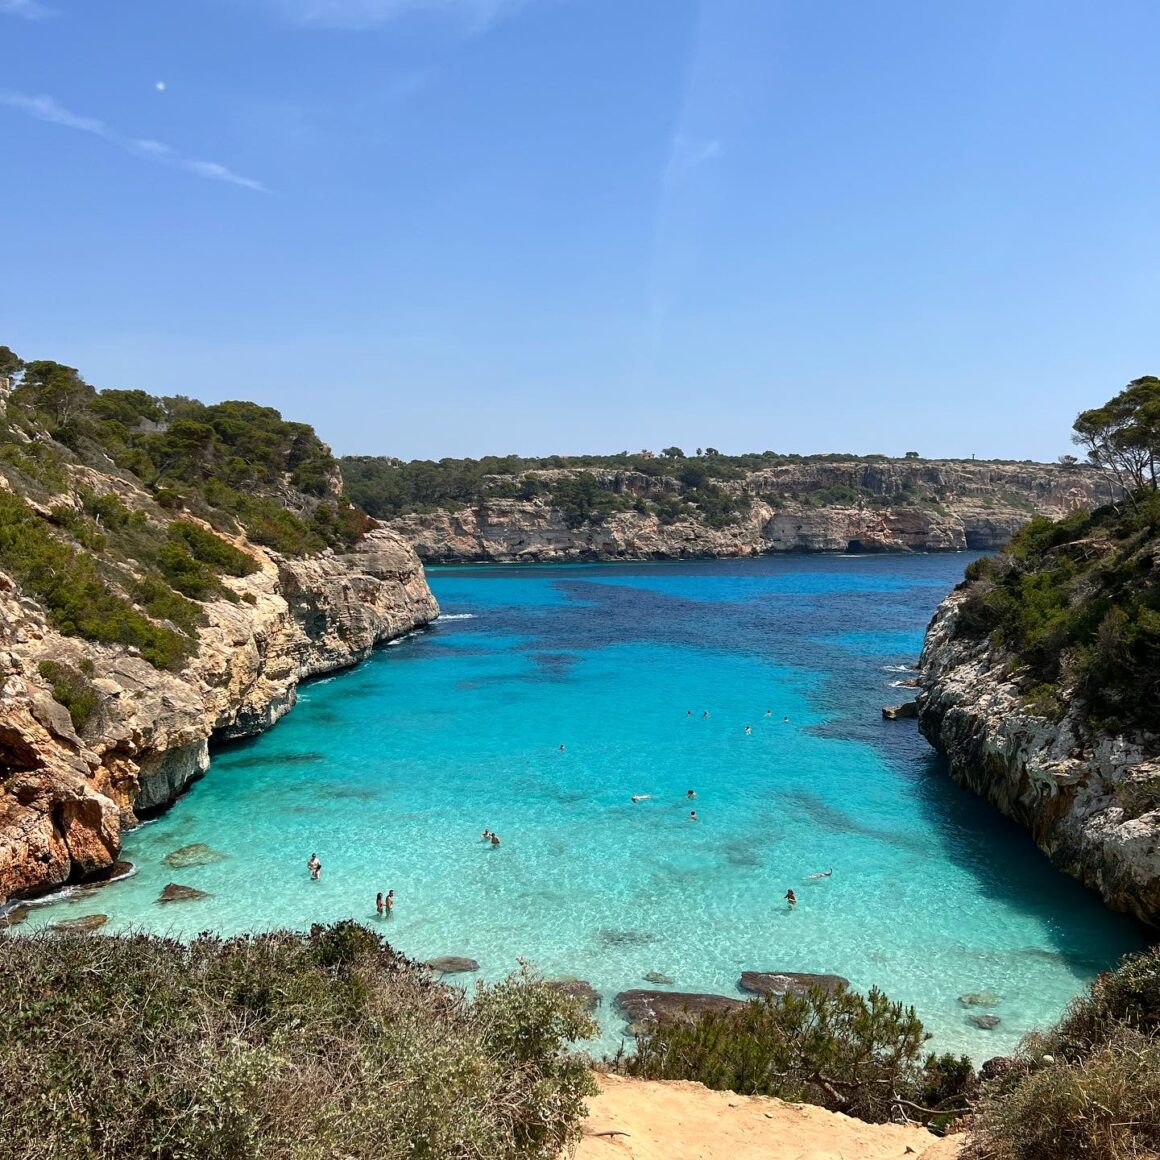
x=685 y=1121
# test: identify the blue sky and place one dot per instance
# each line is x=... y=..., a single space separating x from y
x=458 y=227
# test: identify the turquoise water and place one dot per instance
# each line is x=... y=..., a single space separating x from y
x=390 y=772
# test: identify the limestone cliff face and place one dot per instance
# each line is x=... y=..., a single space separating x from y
x=65 y=798
x=1091 y=801
x=922 y=506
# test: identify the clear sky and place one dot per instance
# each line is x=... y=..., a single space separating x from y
x=458 y=227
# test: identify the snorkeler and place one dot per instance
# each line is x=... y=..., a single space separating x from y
x=315 y=867
x=791 y=898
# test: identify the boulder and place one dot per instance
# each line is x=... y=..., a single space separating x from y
x=195 y=854
x=997 y=1066
x=788 y=982
x=452 y=965
x=174 y=892
x=79 y=925
x=645 y=1007
x=584 y=993
x=898 y=712
x=985 y=1022
x=659 y=979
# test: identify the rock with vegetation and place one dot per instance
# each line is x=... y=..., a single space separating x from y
x=1040 y=676
x=169 y=573
x=280 y=1046
x=710 y=505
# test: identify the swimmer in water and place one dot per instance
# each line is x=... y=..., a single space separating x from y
x=691 y=794
x=748 y=729
x=495 y=839
x=389 y=901
x=791 y=898
x=485 y=835
x=379 y=902
x=787 y=720
x=828 y=874
x=692 y=815
x=705 y=715
x=769 y=712
x=315 y=867
x=641 y=797
x=561 y=749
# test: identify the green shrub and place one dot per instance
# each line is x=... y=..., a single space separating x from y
x=1089 y=1086
x=279 y=1046
x=72 y=689
x=844 y=1051
x=212 y=550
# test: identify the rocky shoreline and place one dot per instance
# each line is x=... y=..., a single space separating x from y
x=1088 y=799
x=66 y=797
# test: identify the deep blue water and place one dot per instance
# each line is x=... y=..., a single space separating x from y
x=391 y=771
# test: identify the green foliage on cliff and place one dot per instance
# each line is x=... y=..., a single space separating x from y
x=852 y=1053
x=280 y=1046
x=72 y=688
x=1078 y=603
x=1088 y=1087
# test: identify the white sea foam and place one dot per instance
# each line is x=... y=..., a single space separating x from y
x=456 y=616
x=901 y=685
x=899 y=669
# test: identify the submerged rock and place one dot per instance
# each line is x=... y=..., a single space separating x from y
x=626 y=938
x=986 y=1022
x=452 y=964
x=80 y=925
x=659 y=979
x=645 y=1007
x=177 y=893
x=788 y=982
x=578 y=989
x=979 y=999
x=195 y=854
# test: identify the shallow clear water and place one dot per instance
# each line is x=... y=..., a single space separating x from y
x=390 y=772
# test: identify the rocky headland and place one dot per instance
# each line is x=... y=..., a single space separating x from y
x=805 y=506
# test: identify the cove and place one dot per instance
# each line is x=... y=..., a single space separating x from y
x=391 y=771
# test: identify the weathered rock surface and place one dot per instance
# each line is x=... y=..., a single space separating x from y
x=452 y=964
x=1090 y=800
x=174 y=892
x=907 y=709
x=578 y=989
x=788 y=982
x=973 y=505
x=984 y=1022
x=658 y=979
x=64 y=798
x=643 y=1007
x=979 y=999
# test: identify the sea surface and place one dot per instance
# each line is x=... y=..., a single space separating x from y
x=543 y=699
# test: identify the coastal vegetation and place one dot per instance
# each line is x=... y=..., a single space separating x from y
x=1077 y=601
x=133 y=563
x=274 y=1047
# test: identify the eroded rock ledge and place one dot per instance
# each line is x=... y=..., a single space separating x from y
x=65 y=799
x=1088 y=799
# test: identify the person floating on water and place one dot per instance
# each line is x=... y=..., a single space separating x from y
x=495 y=839
x=769 y=712
x=561 y=749
x=689 y=713
x=641 y=797
x=828 y=874
x=748 y=729
x=692 y=815
x=315 y=867
x=379 y=902
x=691 y=794
x=389 y=901
x=705 y=715
x=485 y=835
x=791 y=898
x=787 y=720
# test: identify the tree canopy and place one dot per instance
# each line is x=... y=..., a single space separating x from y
x=1124 y=434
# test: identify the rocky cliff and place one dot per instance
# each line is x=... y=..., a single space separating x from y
x=1089 y=796
x=831 y=506
x=66 y=796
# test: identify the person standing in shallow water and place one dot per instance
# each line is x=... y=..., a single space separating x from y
x=791 y=899
x=315 y=867
x=379 y=902
x=389 y=902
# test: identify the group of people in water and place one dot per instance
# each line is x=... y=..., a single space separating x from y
x=491 y=836
x=384 y=903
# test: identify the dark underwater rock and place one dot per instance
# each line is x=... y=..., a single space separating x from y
x=788 y=982
x=644 y=1007
x=195 y=854
x=452 y=964
x=177 y=893
x=80 y=925
x=580 y=990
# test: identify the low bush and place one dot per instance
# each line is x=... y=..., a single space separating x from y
x=276 y=1046
x=853 y=1053
x=73 y=690
x=1088 y=1087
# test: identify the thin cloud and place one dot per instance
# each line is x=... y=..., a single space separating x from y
x=478 y=15
x=27 y=9
x=48 y=109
